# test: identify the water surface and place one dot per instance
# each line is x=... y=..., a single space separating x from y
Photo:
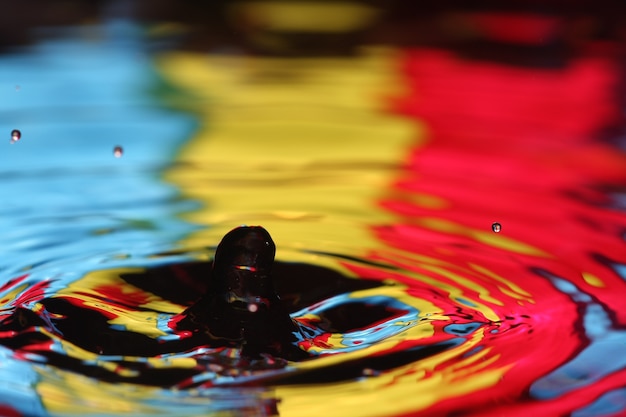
x=379 y=177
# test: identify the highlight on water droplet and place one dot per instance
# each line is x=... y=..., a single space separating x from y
x=370 y=372
x=118 y=151
x=496 y=227
x=15 y=135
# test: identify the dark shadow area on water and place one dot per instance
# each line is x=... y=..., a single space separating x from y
x=300 y=285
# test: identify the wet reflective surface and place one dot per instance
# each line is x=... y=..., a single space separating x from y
x=444 y=226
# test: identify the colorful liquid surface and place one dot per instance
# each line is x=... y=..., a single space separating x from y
x=380 y=177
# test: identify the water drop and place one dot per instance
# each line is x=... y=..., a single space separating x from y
x=370 y=372
x=15 y=135
x=118 y=151
x=253 y=308
x=496 y=227
x=17 y=88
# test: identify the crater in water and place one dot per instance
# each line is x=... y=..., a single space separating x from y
x=118 y=325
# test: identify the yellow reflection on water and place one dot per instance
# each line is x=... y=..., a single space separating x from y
x=306 y=16
x=73 y=394
x=408 y=388
x=142 y=318
x=300 y=146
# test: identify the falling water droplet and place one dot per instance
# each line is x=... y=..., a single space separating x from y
x=118 y=151
x=17 y=88
x=253 y=308
x=496 y=227
x=15 y=135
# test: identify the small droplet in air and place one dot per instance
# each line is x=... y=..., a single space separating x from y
x=118 y=151
x=253 y=308
x=17 y=88
x=15 y=135
x=496 y=227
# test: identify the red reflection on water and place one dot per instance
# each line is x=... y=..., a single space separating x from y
x=13 y=282
x=124 y=297
x=8 y=411
x=31 y=294
x=517 y=27
x=521 y=146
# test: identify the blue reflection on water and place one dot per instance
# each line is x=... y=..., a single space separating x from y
x=16 y=381
x=611 y=403
x=358 y=339
x=591 y=364
x=81 y=94
x=64 y=194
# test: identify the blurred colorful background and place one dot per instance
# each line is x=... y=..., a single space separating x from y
x=445 y=183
